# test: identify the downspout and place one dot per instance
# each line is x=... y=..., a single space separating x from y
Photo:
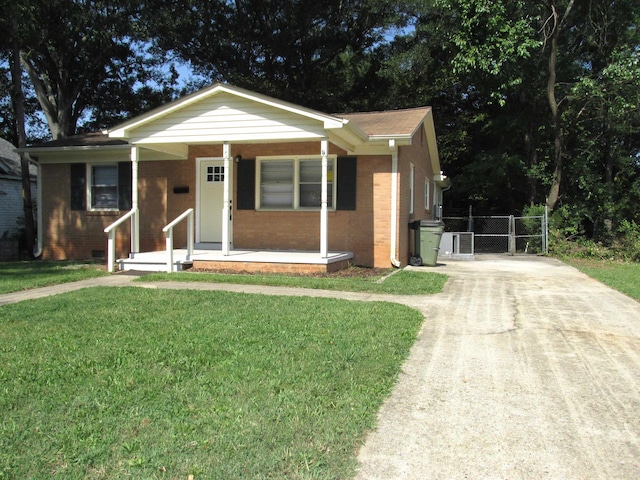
x=394 y=204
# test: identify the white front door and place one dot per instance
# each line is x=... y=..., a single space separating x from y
x=211 y=200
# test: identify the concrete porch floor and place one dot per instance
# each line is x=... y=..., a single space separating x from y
x=211 y=257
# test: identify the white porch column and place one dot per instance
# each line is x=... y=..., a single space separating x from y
x=135 y=219
x=226 y=206
x=324 y=211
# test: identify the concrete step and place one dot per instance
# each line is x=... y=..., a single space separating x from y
x=153 y=262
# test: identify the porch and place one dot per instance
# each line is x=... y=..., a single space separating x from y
x=211 y=257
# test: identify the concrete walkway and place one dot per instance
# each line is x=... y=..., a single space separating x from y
x=117 y=280
x=524 y=369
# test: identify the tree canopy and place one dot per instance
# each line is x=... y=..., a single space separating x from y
x=536 y=101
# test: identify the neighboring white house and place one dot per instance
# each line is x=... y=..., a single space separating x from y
x=11 y=207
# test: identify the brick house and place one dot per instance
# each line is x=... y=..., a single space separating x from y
x=272 y=185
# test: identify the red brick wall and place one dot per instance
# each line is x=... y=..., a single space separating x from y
x=72 y=234
x=364 y=231
x=76 y=234
x=418 y=154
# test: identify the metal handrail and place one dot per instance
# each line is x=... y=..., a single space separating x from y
x=111 y=230
x=168 y=230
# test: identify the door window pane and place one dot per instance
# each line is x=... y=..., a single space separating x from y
x=215 y=174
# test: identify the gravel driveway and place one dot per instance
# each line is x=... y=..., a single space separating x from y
x=525 y=368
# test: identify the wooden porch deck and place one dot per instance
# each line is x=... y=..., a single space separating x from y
x=210 y=257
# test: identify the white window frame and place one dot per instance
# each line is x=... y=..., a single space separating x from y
x=296 y=159
x=427 y=193
x=90 y=185
x=412 y=187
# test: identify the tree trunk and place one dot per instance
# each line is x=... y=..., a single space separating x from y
x=608 y=176
x=18 y=105
x=532 y=161
x=57 y=109
x=558 y=154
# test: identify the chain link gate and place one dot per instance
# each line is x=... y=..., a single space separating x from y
x=501 y=233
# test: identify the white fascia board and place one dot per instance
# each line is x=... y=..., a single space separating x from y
x=122 y=131
x=329 y=121
x=380 y=145
x=75 y=148
x=385 y=139
x=354 y=131
x=432 y=145
x=442 y=180
x=81 y=154
x=178 y=150
x=97 y=154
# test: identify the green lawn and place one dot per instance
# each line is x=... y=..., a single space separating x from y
x=16 y=276
x=400 y=283
x=136 y=383
x=624 y=277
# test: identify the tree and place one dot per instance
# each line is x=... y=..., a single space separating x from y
x=312 y=53
x=471 y=61
x=81 y=56
x=19 y=110
x=553 y=29
x=534 y=101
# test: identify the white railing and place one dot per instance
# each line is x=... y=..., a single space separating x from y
x=111 y=243
x=168 y=230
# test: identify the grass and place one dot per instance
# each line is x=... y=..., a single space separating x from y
x=401 y=283
x=151 y=384
x=624 y=277
x=17 y=276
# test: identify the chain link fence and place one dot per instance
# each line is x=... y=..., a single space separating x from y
x=502 y=233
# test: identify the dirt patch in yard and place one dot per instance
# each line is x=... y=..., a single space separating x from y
x=351 y=272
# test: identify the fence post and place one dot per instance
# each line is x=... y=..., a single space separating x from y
x=545 y=233
x=512 y=235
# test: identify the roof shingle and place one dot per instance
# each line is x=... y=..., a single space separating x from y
x=390 y=122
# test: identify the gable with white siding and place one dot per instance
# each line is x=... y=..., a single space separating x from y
x=224 y=117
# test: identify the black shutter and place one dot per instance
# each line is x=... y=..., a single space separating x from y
x=78 y=186
x=246 y=169
x=346 y=186
x=124 y=185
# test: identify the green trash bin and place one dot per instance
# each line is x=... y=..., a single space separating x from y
x=430 y=236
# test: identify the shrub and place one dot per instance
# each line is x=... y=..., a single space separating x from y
x=627 y=242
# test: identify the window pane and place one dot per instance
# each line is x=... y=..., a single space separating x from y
x=310 y=195
x=104 y=197
x=277 y=172
x=104 y=186
x=311 y=183
x=277 y=196
x=311 y=171
x=105 y=175
x=276 y=184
